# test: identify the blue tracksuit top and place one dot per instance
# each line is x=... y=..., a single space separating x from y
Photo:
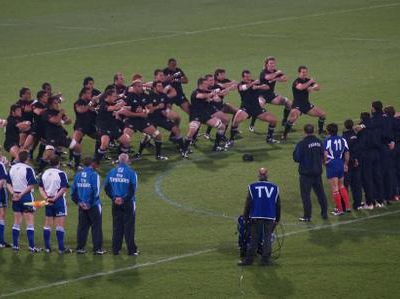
x=121 y=181
x=86 y=187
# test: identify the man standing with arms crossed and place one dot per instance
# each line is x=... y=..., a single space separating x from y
x=120 y=186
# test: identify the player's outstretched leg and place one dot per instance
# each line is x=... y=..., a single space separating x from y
x=272 y=120
x=293 y=116
x=318 y=112
x=239 y=117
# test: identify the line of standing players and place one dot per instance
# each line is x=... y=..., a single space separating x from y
x=374 y=165
x=113 y=116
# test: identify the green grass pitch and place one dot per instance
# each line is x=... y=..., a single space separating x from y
x=186 y=209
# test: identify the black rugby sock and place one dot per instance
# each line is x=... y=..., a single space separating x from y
x=321 y=122
x=180 y=143
x=234 y=131
x=271 y=129
x=253 y=121
x=42 y=148
x=286 y=113
x=158 y=147
x=288 y=127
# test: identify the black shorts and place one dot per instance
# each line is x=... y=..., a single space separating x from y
x=57 y=141
x=302 y=107
x=200 y=116
x=218 y=106
x=8 y=144
x=37 y=131
x=137 y=123
x=114 y=132
x=269 y=97
x=253 y=111
x=163 y=122
x=87 y=129
x=180 y=99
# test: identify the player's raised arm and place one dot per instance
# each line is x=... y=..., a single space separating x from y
x=314 y=87
x=303 y=86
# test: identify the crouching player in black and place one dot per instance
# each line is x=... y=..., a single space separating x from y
x=263 y=209
x=171 y=93
x=55 y=134
x=136 y=115
x=250 y=107
x=269 y=76
x=52 y=188
x=15 y=125
x=176 y=77
x=158 y=105
x=85 y=118
x=25 y=102
x=36 y=135
x=301 y=88
x=202 y=111
x=221 y=85
x=107 y=124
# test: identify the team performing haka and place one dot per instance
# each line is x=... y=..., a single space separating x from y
x=112 y=117
x=366 y=158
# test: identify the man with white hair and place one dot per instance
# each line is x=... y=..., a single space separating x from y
x=120 y=185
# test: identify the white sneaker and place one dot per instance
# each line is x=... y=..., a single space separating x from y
x=335 y=212
x=219 y=149
x=34 y=249
x=206 y=136
x=273 y=141
x=368 y=207
x=229 y=144
x=161 y=158
x=251 y=129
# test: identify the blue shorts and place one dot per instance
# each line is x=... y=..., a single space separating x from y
x=19 y=207
x=3 y=198
x=58 y=209
x=335 y=169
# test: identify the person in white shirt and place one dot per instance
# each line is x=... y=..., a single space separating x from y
x=20 y=182
x=52 y=187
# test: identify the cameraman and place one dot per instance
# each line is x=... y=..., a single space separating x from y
x=263 y=210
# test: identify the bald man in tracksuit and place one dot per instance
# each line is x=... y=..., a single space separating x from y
x=263 y=209
x=120 y=187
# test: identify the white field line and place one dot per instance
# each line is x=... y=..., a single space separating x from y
x=374 y=231
x=179 y=257
x=212 y=29
x=81 y=28
x=101 y=274
x=357 y=39
x=265 y=35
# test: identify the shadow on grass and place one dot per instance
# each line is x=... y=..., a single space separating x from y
x=264 y=280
